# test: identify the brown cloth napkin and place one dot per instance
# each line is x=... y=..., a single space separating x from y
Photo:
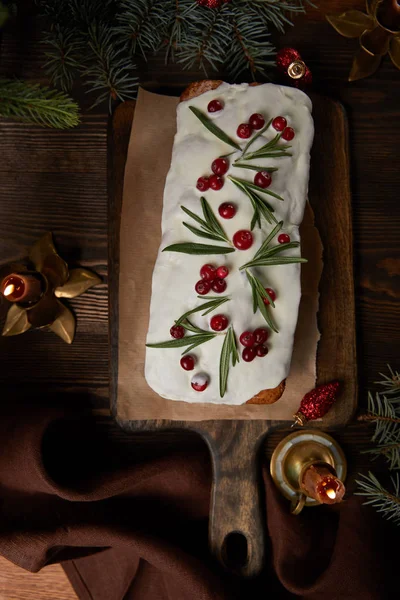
x=129 y=524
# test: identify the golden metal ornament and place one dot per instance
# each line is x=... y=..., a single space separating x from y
x=58 y=282
x=375 y=39
x=296 y=69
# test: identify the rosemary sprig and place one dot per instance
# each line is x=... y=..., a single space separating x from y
x=255 y=167
x=213 y=128
x=266 y=255
x=270 y=150
x=200 y=337
x=260 y=205
x=229 y=354
x=252 y=186
x=191 y=248
x=259 y=293
x=253 y=139
x=208 y=307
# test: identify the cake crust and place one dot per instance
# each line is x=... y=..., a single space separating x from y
x=268 y=396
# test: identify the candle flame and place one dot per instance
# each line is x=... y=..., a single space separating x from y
x=9 y=290
x=331 y=493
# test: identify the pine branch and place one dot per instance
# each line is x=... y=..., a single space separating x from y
x=37 y=104
x=63 y=57
x=391 y=385
x=181 y=15
x=277 y=12
x=142 y=23
x=385 y=416
x=384 y=501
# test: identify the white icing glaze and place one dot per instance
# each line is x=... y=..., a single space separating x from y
x=175 y=274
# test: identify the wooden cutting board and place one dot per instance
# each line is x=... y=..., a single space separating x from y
x=236 y=512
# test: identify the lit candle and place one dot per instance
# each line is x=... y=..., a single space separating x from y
x=389 y=14
x=22 y=287
x=319 y=481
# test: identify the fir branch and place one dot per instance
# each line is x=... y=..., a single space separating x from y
x=278 y=12
x=37 y=104
x=181 y=14
x=63 y=57
x=385 y=502
x=142 y=23
x=385 y=416
x=391 y=384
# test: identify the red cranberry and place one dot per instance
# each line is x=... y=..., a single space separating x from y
x=261 y=335
x=208 y=272
x=248 y=354
x=202 y=287
x=261 y=350
x=283 y=238
x=288 y=134
x=227 y=210
x=279 y=123
x=216 y=182
x=219 y=322
x=177 y=332
x=257 y=121
x=214 y=106
x=244 y=131
x=220 y=166
x=203 y=184
x=243 y=239
x=262 y=179
x=271 y=294
x=222 y=272
x=199 y=382
x=188 y=362
x=219 y=285
x=247 y=339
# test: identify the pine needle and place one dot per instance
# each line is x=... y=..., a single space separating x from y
x=33 y=103
x=385 y=501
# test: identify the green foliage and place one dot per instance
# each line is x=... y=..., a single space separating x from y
x=37 y=104
x=99 y=40
x=384 y=413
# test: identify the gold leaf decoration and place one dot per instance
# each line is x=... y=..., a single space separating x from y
x=45 y=311
x=364 y=64
x=394 y=51
x=351 y=23
x=372 y=6
x=46 y=260
x=78 y=282
x=64 y=325
x=16 y=322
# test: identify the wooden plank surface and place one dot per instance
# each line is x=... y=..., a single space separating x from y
x=50 y=584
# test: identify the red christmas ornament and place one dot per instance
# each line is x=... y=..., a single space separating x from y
x=212 y=3
x=316 y=403
x=289 y=62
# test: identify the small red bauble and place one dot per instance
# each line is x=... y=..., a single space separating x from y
x=220 y=166
x=203 y=184
x=271 y=294
x=316 y=403
x=208 y=272
x=261 y=335
x=248 y=354
x=257 y=121
x=244 y=131
x=212 y=3
x=227 y=210
x=283 y=238
x=219 y=285
x=199 y=382
x=305 y=80
x=188 y=362
x=214 y=106
x=222 y=272
x=263 y=179
x=261 y=350
x=202 y=287
x=279 y=123
x=177 y=332
x=247 y=339
x=219 y=322
x=285 y=56
x=216 y=182
x=288 y=134
x=243 y=239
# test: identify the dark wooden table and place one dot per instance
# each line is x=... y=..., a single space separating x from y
x=56 y=181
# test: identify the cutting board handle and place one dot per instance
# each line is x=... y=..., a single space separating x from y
x=236 y=516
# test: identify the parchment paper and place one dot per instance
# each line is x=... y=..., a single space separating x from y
x=148 y=162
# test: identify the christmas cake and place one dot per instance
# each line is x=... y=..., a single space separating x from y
x=226 y=283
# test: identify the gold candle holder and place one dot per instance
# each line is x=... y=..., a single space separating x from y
x=295 y=454
x=42 y=308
